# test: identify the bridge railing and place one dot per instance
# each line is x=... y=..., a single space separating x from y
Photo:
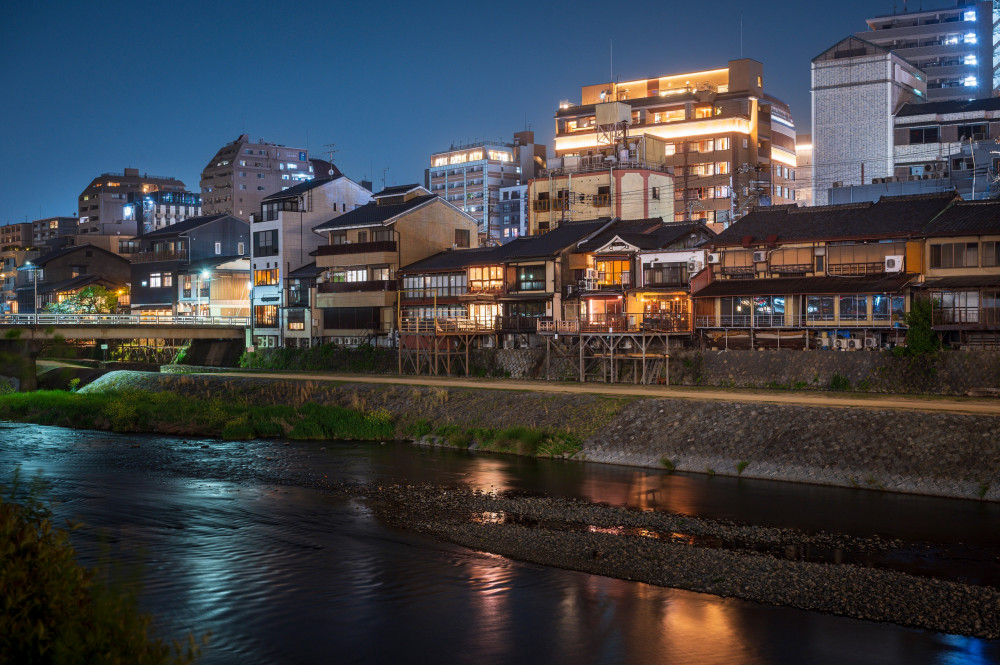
x=45 y=319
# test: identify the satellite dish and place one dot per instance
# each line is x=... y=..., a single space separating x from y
x=330 y=171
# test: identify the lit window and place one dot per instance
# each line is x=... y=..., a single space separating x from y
x=969 y=16
x=970 y=38
x=969 y=81
x=970 y=60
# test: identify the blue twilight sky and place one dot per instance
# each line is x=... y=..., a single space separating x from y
x=95 y=87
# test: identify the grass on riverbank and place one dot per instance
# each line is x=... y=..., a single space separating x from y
x=169 y=413
x=530 y=441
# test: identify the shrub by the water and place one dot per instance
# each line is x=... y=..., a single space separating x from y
x=56 y=611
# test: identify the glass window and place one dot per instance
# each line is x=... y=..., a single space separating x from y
x=853 y=308
x=531 y=278
x=155 y=280
x=819 y=308
x=267 y=277
x=461 y=238
x=265 y=316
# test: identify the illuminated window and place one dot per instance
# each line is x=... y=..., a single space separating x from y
x=268 y=277
x=970 y=38
x=155 y=280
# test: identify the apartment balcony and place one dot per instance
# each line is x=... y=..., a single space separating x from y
x=357 y=287
x=153 y=257
x=966 y=318
x=357 y=248
x=856 y=269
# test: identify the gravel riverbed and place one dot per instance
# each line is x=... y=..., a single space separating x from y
x=722 y=558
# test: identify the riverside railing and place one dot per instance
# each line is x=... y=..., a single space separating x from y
x=120 y=320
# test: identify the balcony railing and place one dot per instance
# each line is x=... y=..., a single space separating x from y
x=121 y=320
x=618 y=323
x=764 y=321
x=971 y=317
x=357 y=248
x=856 y=269
x=152 y=257
x=357 y=287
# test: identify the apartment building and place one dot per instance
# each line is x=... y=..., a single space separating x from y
x=365 y=248
x=729 y=144
x=952 y=45
x=284 y=241
x=470 y=177
x=857 y=86
x=513 y=212
x=244 y=172
x=107 y=205
x=938 y=147
x=575 y=188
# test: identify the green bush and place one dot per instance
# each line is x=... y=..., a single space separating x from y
x=840 y=383
x=921 y=339
x=56 y=611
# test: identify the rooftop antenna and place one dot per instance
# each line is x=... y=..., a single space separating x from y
x=383 y=176
x=611 y=60
x=741 y=35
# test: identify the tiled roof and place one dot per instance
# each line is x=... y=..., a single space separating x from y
x=188 y=224
x=804 y=285
x=633 y=228
x=891 y=216
x=556 y=240
x=396 y=190
x=972 y=217
x=308 y=270
x=373 y=214
x=300 y=188
x=456 y=259
x=42 y=260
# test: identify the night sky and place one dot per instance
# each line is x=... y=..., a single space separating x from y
x=96 y=87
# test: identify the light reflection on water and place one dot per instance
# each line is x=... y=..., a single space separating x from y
x=283 y=574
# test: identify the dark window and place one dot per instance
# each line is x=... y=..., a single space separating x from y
x=338 y=238
x=296 y=319
x=819 y=308
x=955 y=255
x=925 y=135
x=531 y=278
x=265 y=243
x=461 y=238
x=351 y=318
x=976 y=132
x=362 y=236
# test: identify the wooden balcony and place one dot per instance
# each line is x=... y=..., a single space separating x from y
x=357 y=287
x=357 y=248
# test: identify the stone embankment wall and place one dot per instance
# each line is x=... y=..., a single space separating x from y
x=949 y=373
x=906 y=451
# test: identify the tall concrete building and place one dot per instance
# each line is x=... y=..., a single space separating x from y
x=470 y=176
x=244 y=172
x=954 y=46
x=803 y=173
x=857 y=86
x=729 y=145
x=106 y=205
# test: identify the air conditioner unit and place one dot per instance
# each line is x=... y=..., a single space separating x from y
x=569 y=289
x=838 y=183
x=894 y=263
x=315 y=323
x=939 y=166
x=854 y=344
x=591 y=274
x=714 y=258
x=760 y=257
x=840 y=343
x=871 y=342
x=820 y=251
x=692 y=266
x=339 y=341
x=878 y=181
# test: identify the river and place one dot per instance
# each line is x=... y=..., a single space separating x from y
x=231 y=538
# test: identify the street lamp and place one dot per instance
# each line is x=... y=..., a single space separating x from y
x=34 y=272
x=204 y=275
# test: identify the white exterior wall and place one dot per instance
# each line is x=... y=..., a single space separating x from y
x=296 y=238
x=853 y=101
x=700 y=256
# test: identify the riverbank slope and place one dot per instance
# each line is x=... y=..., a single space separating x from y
x=878 y=448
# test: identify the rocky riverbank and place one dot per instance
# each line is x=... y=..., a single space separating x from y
x=743 y=561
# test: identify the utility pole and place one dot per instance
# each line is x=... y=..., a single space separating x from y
x=331 y=149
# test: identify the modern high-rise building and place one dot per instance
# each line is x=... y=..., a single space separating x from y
x=470 y=176
x=803 y=172
x=513 y=211
x=856 y=88
x=953 y=45
x=104 y=206
x=729 y=145
x=244 y=172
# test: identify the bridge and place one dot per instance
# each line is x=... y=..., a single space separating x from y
x=44 y=326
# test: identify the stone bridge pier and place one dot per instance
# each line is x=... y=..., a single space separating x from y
x=17 y=363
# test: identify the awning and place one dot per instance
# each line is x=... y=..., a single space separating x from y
x=969 y=281
x=513 y=297
x=804 y=286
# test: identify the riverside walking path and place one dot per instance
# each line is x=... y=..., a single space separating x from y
x=939 y=404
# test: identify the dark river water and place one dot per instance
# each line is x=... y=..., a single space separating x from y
x=229 y=538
